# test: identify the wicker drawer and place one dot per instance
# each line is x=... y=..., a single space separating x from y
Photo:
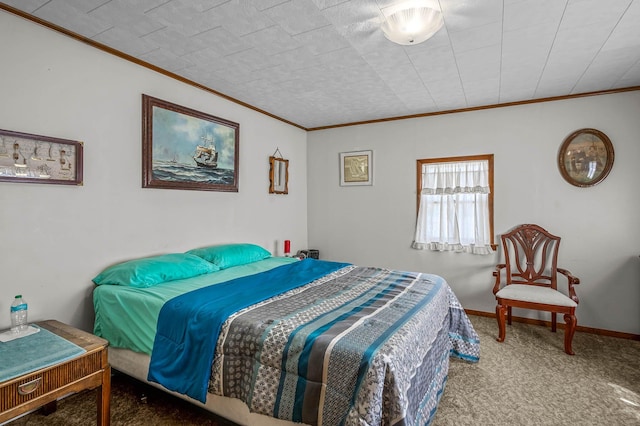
x=18 y=391
x=44 y=387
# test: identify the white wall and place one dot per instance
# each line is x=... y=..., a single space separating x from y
x=54 y=238
x=599 y=226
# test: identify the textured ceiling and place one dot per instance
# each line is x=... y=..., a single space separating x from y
x=320 y=63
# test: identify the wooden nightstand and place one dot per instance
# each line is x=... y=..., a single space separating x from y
x=43 y=387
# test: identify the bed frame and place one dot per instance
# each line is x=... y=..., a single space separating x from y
x=136 y=365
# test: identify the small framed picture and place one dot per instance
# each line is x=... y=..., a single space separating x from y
x=31 y=158
x=356 y=168
x=585 y=157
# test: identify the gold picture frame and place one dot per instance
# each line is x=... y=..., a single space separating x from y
x=585 y=157
x=356 y=168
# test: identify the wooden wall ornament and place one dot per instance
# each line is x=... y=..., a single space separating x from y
x=278 y=174
x=585 y=157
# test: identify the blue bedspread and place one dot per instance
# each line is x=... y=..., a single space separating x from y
x=188 y=325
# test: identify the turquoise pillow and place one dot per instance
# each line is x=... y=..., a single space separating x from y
x=228 y=255
x=149 y=271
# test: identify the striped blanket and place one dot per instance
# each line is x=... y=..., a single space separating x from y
x=359 y=346
x=184 y=344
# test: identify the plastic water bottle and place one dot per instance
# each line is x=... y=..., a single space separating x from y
x=19 y=315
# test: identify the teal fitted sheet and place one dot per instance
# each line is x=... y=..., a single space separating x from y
x=127 y=316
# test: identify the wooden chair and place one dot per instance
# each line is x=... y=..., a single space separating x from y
x=530 y=280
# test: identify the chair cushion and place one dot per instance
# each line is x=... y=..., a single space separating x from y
x=535 y=294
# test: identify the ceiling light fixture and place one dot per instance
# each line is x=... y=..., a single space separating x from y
x=412 y=25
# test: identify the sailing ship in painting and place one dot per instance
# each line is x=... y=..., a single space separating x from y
x=204 y=169
x=206 y=156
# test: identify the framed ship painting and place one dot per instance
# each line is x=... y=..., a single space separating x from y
x=31 y=158
x=187 y=149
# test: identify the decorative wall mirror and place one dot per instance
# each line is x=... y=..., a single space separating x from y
x=278 y=175
x=586 y=157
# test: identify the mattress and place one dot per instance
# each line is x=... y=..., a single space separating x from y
x=127 y=316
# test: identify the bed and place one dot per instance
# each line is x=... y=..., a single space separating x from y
x=280 y=341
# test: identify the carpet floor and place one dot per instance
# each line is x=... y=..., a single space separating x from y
x=527 y=380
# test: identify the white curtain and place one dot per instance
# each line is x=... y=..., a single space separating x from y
x=454 y=208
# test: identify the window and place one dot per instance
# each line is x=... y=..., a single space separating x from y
x=455 y=204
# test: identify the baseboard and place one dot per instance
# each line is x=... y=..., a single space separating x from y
x=532 y=321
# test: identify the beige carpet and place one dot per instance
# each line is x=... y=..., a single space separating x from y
x=527 y=380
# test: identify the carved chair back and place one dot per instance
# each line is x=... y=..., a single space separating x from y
x=531 y=256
